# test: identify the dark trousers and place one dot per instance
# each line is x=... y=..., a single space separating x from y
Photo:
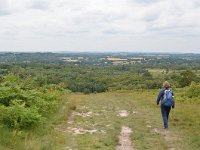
x=165 y=115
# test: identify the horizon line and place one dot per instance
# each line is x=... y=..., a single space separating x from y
x=62 y=51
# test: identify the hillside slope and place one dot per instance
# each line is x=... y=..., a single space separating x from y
x=100 y=119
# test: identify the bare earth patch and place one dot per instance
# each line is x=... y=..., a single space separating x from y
x=82 y=114
x=80 y=130
x=77 y=131
x=123 y=113
x=124 y=139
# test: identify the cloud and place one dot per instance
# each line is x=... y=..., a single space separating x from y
x=40 y=4
x=72 y=20
x=4 y=8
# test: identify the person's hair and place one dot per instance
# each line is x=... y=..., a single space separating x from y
x=166 y=84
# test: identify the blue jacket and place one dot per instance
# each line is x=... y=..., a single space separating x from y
x=161 y=97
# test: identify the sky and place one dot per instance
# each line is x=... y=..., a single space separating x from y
x=100 y=25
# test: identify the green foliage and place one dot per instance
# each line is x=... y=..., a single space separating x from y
x=87 y=86
x=94 y=79
x=23 y=104
x=153 y=85
x=19 y=117
x=147 y=75
x=186 y=77
x=193 y=90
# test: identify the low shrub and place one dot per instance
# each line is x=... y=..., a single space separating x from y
x=23 y=108
x=19 y=117
x=193 y=90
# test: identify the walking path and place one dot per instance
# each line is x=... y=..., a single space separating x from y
x=102 y=122
x=124 y=139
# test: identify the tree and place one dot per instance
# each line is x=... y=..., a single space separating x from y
x=186 y=77
x=147 y=75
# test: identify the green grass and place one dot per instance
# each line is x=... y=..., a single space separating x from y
x=184 y=124
x=108 y=105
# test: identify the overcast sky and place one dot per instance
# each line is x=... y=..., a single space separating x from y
x=100 y=25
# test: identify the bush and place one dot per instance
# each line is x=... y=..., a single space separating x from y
x=22 y=108
x=193 y=90
x=186 y=78
x=19 y=117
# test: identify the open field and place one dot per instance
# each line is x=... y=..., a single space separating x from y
x=96 y=123
x=97 y=120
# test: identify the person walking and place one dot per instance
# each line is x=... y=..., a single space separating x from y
x=166 y=96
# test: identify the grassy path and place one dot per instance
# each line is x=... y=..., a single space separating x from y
x=109 y=121
x=96 y=124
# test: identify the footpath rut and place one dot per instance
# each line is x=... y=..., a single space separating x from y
x=124 y=138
